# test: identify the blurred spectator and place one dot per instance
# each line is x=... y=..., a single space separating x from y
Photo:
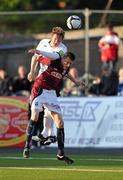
x=108 y=83
x=120 y=85
x=109 y=45
x=5 y=83
x=62 y=4
x=70 y=89
x=89 y=79
x=21 y=85
x=94 y=87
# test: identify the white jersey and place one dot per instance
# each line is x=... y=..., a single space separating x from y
x=44 y=45
x=111 y=39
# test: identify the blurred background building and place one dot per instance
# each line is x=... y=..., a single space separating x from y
x=24 y=24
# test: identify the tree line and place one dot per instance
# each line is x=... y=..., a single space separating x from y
x=14 y=5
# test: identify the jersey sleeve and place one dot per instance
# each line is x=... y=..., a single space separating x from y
x=40 y=45
x=50 y=55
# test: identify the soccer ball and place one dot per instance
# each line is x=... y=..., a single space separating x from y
x=74 y=22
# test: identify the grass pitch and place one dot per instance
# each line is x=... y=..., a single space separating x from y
x=42 y=166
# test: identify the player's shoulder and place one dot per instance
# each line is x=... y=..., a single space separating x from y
x=62 y=46
x=44 y=41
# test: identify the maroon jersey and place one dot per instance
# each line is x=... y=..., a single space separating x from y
x=50 y=79
x=44 y=60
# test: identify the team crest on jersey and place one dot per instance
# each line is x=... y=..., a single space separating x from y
x=56 y=74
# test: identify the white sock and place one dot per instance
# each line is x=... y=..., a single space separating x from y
x=48 y=124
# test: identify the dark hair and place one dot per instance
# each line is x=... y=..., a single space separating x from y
x=70 y=55
x=110 y=26
x=58 y=30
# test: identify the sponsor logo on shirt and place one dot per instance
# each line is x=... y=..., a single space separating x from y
x=56 y=74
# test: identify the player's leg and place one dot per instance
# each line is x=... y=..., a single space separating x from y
x=36 y=107
x=48 y=128
x=34 y=143
x=60 y=137
x=30 y=130
x=38 y=127
x=52 y=104
x=47 y=131
x=47 y=123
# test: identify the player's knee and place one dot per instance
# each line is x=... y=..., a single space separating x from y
x=60 y=124
x=34 y=115
x=34 y=118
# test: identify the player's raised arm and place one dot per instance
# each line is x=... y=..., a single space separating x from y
x=50 y=55
x=31 y=74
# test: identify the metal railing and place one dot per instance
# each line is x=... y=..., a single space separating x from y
x=85 y=12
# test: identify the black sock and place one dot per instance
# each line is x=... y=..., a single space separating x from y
x=40 y=121
x=30 y=130
x=34 y=143
x=60 y=139
x=38 y=127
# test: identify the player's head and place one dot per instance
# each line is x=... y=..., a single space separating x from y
x=59 y=31
x=57 y=36
x=67 y=60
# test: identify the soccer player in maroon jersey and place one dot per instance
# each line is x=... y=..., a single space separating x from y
x=54 y=44
x=44 y=94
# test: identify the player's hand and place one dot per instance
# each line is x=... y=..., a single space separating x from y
x=34 y=51
x=82 y=84
x=30 y=77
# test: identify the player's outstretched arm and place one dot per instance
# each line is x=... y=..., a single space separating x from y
x=52 y=56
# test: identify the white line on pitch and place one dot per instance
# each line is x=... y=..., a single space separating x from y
x=10 y=157
x=64 y=169
x=88 y=159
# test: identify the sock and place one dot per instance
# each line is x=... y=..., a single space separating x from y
x=51 y=132
x=60 y=139
x=40 y=121
x=30 y=130
x=47 y=130
x=34 y=143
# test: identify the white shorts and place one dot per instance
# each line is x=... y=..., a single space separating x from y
x=47 y=99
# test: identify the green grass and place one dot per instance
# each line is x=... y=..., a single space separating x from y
x=42 y=166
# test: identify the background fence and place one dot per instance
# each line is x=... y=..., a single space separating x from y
x=21 y=31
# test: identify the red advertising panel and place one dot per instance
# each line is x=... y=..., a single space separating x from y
x=13 y=121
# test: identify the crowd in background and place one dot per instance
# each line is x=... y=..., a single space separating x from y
x=18 y=85
x=108 y=83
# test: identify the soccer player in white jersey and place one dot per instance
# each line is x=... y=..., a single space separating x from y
x=55 y=44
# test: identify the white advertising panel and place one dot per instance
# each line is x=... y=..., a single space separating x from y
x=93 y=121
